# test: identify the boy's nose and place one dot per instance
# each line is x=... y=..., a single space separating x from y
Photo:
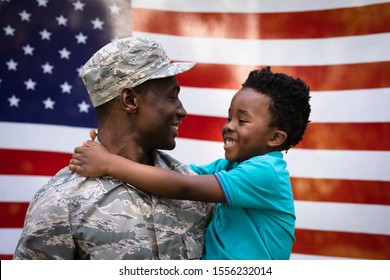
x=228 y=126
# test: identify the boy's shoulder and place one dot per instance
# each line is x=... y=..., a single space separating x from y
x=272 y=163
x=271 y=158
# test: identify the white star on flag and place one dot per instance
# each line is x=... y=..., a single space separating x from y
x=61 y=20
x=9 y=31
x=78 y=5
x=65 y=87
x=47 y=68
x=12 y=65
x=114 y=9
x=97 y=24
x=45 y=35
x=30 y=84
x=28 y=50
x=13 y=101
x=84 y=107
x=81 y=38
x=42 y=3
x=64 y=53
x=79 y=70
x=24 y=16
x=49 y=104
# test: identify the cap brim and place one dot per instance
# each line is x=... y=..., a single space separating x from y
x=173 y=69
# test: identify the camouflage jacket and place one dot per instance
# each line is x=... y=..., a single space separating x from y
x=74 y=217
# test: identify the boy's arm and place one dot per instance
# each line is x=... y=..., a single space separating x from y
x=93 y=160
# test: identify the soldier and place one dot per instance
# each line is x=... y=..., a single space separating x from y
x=133 y=86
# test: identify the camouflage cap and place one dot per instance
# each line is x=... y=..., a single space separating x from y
x=127 y=62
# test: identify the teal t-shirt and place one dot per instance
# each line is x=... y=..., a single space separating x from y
x=258 y=220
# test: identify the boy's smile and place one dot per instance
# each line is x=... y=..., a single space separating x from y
x=229 y=142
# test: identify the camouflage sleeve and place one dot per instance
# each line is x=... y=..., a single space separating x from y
x=47 y=232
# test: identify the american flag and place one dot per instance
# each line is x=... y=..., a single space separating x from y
x=340 y=172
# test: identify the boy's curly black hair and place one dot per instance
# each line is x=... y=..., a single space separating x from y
x=289 y=106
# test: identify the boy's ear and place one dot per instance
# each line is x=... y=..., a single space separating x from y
x=129 y=100
x=278 y=138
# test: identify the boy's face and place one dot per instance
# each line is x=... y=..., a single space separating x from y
x=246 y=132
x=161 y=112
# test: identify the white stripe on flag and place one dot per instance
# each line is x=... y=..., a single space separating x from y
x=248 y=6
x=17 y=188
x=367 y=105
x=42 y=137
x=286 y=52
x=9 y=237
x=343 y=217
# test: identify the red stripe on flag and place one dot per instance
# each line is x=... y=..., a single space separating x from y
x=330 y=136
x=342 y=244
x=344 y=191
x=25 y=162
x=12 y=214
x=6 y=257
x=319 y=78
x=300 y=25
x=346 y=136
x=202 y=128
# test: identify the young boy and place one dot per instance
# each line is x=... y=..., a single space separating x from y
x=255 y=217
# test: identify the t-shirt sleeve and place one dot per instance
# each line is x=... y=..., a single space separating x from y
x=251 y=184
x=211 y=168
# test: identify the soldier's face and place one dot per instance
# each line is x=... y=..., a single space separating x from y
x=161 y=112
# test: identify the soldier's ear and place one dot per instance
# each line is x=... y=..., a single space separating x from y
x=128 y=98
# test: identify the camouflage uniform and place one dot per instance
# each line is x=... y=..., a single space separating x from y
x=74 y=217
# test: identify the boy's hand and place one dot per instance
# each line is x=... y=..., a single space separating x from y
x=92 y=134
x=90 y=160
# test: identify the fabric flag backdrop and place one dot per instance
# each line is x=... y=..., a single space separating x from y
x=340 y=172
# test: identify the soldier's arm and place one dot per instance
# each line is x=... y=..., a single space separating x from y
x=93 y=160
x=46 y=233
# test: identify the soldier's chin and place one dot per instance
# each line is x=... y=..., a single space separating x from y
x=169 y=146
